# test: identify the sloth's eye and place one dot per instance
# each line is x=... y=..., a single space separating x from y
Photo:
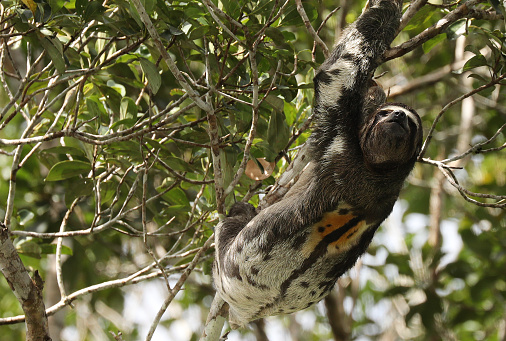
x=383 y=113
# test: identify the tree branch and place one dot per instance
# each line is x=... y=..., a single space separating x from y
x=27 y=290
x=310 y=28
x=466 y=194
x=413 y=8
x=167 y=58
x=178 y=286
x=425 y=80
x=460 y=12
x=452 y=103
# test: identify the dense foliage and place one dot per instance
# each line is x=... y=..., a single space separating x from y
x=121 y=145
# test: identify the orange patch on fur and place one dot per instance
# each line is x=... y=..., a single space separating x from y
x=348 y=237
x=331 y=221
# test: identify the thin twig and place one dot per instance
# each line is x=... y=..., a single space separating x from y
x=310 y=28
x=449 y=105
x=178 y=286
x=167 y=58
x=460 y=12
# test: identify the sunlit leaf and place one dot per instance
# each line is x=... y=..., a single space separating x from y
x=474 y=62
x=429 y=45
x=31 y=5
x=29 y=248
x=56 y=5
x=420 y=18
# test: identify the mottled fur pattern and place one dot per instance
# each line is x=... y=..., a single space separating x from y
x=289 y=255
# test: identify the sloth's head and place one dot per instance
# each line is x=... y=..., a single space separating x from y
x=391 y=136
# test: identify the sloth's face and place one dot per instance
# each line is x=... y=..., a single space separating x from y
x=392 y=136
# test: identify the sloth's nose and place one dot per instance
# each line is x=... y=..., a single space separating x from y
x=399 y=114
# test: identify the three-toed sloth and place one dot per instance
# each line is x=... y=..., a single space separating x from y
x=290 y=255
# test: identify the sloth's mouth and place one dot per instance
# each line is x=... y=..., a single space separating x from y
x=394 y=123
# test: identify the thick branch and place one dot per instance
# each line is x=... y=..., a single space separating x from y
x=117 y=283
x=27 y=290
x=460 y=12
x=425 y=80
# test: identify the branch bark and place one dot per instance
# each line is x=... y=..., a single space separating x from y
x=310 y=28
x=27 y=290
x=452 y=103
x=338 y=319
x=463 y=11
x=425 y=80
x=414 y=7
x=179 y=285
x=167 y=58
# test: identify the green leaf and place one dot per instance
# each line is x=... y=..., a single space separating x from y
x=112 y=97
x=67 y=169
x=292 y=16
x=476 y=61
x=456 y=29
x=51 y=249
x=480 y=78
x=96 y=108
x=93 y=10
x=25 y=216
x=472 y=48
x=56 y=5
x=78 y=187
x=428 y=45
x=135 y=15
x=64 y=150
x=84 y=147
x=80 y=6
x=53 y=52
x=149 y=5
x=497 y=6
x=232 y=7
x=177 y=197
x=152 y=74
x=278 y=131
x=276 y=35
x=289 y=36
x=31 y=5
x=108 y=191
x=290 y=113
x=29 y=248
x=128 y=108
x=275 y=102
x=178 y=164
x=264 y=149
x=420 y=18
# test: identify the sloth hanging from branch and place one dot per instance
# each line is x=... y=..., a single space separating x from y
x=290 y=255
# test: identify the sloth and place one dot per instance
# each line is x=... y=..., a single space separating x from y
x=290 y=255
